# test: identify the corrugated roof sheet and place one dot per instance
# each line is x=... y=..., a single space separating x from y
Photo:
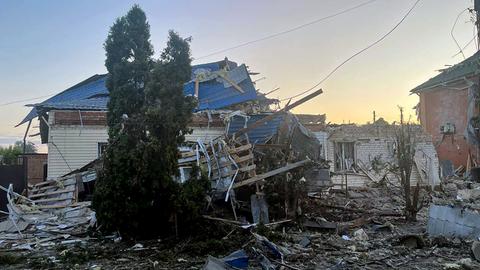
x=468 y=67
x=259 y=134
x=214 y=66
x=213 y=94
x=95 y=103
x=90 y=87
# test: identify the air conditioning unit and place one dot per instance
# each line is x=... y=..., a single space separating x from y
x=448 y=128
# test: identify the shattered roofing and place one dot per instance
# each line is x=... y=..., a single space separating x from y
x=216 y=93
x=261 y=134
x=468 y=67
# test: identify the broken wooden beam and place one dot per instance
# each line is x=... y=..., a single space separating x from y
x=271 y=116
x=239 y=149
x=262 y=176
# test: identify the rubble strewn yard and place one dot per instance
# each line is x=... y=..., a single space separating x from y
x=336 y=232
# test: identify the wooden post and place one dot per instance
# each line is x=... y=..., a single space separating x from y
x=196 y=87
x=24 y=158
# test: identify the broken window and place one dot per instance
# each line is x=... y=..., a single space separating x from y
x=391 y=147
x=102 y=146
x=344 y=156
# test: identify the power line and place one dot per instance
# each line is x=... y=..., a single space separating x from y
x=242 y=44
x=24 y=100
x=465 y=46
x=453 y=28
x=286 y=31
x=356 y=54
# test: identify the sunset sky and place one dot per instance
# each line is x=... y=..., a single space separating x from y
x=48 y=46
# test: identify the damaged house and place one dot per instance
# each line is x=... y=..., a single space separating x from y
x=448 y=111
x=73 y=122
x=233 y=129
x=361 y=154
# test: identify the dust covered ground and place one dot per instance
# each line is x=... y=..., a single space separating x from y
x=361 y=231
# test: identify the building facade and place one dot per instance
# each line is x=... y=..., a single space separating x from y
x=448 y=110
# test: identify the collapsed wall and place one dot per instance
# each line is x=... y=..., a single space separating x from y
x=360 y=154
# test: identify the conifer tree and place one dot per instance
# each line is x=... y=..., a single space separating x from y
x=148 y=114
x=122 y=194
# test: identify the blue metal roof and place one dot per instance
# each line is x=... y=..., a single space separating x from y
x=214 y=66
x=94 y=103
x=215 y=93
x=260 y=134
x=88 y=88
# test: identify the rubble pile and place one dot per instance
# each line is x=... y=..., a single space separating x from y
x=51 y=214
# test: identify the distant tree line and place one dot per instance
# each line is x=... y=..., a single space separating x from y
x=9 y=154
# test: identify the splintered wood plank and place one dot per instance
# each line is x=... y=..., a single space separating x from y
x=239 y=149
x=52 y=187
x=52 y=200
x=243 y=158
x=271 y=173
x=52 y=193
x=232 y=172
x=53 y=206
x=248 y=168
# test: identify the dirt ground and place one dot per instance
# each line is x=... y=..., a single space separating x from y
x=361 y=231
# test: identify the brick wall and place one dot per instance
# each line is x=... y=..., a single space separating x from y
x=442 y=105
x=86 y=118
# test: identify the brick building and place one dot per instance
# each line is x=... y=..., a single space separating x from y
x=447 y=110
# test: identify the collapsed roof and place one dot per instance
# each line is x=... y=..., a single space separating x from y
x=217 y=85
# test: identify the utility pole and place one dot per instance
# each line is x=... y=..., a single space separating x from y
x=374 y=117
x=476 y=7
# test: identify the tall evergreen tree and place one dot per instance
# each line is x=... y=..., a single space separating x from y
x=136 y=193
x=121 y=191
x=167 y=113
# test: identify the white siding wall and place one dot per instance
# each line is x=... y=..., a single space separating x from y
x=72 y=147
x=368 y=148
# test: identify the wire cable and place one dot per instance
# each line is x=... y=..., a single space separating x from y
x=453 y=28
x=286 y=31
x=242 y=44
x=24 y=100
x=465 y=46
x=356 y=54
